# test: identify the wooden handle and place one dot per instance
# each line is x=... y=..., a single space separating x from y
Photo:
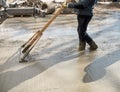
x=52 y=18
x=31 y=41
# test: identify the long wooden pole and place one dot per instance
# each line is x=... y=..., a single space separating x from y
x=27 y=47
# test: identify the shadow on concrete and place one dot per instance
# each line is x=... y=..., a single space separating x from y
x=11 y=61
x=96 y=70
x=11 y=79
x=14 y=59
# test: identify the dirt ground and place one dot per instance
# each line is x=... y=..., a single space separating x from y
x=55 y=63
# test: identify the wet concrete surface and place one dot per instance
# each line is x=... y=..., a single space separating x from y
x=55 y=63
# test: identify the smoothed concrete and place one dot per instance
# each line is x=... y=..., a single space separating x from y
x=55 y=63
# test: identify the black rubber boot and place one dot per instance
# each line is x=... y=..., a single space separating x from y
x=82 y=45
x=93 y=45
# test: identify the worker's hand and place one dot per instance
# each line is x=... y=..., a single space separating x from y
x=64 y=5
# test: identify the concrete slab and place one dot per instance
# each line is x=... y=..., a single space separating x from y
x=56 y=65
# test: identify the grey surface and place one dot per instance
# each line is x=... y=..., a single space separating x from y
x=56 y=65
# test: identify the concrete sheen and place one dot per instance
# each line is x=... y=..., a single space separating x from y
x=55 y=64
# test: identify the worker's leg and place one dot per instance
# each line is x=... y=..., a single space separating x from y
x=83 y=36
x=81 y=33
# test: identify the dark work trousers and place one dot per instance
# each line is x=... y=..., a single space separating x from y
x=82 y=28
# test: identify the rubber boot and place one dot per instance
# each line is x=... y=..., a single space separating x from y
x=93 y=45
x=82 y=46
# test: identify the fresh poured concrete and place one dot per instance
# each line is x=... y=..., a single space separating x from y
x=55 y=63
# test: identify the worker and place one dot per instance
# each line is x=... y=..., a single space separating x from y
x=84 y=10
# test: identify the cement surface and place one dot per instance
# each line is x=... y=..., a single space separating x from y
x=55 y=63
